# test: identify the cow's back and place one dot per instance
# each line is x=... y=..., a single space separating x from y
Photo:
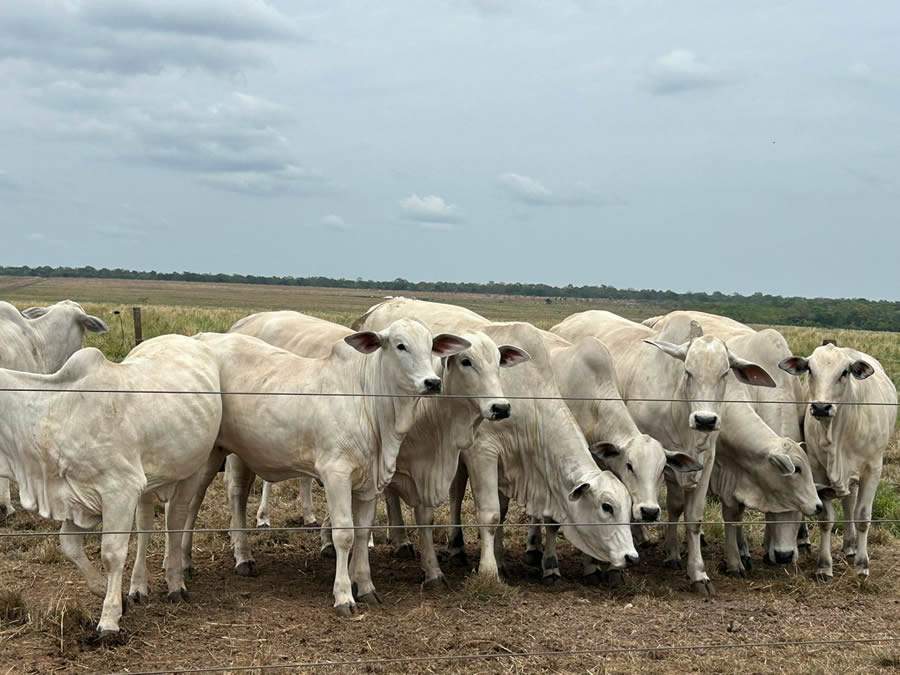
x=439 y=317
x=295 y=332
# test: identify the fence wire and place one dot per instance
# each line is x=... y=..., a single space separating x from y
x=547 y=654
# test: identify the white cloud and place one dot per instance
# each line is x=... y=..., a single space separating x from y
x=526 y=189
x=334 y=222
x=681 y=70
x=429 y=211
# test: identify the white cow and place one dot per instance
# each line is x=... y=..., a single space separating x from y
x=846 y=439
x=83 y=458
x=694 y=371
x=429 y=454
x=349 y=441
x=539 y=457
x=39 y=340
x=781 y=409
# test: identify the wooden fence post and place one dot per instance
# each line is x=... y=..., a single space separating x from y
x=138 y=332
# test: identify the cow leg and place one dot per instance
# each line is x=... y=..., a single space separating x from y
x=499 y=552
x=803 y=542
x=733 y=564
x=203 y=478
x=456 y=546
x=239 y=479
x=533 y=545
x=550 y=573
x=744 y=548
x=868 y=484
x=72 y=546
x=118 y=513
x=262 y=513
x=397 y=534
x=674 y=509
x=305 y=497
x=849 y=503
x=826 y=525
x=143 y=521
x=434 y=577
x=360 y=570
x=340 y=511
x=486 y=494
x=326 y=546
x=694 y=502
x=6 y=505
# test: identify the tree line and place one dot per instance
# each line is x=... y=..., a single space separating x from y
x=857 y=313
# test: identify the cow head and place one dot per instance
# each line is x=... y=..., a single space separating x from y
x=831 y=370
x=786 y=478
x=407 y=354
x=781 y=537
x=475 y=372
x=602 y=498
x=639 y=464
x=63 y=326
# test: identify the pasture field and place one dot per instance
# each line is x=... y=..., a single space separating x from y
x=284 y=615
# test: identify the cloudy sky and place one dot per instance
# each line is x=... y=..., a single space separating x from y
x=686 y=145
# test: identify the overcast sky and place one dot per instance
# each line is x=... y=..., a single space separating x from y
x=686 y=145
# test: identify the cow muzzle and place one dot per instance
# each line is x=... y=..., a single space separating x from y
x=783 y=557
x=431 y=385
x=821 y=410
x=649 y=514
x=500 y=411
x=704 y=421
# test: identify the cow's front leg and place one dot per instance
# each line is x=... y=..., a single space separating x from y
x=340 y=511
x=456 y=544
x=71 y=541
x=694 y=502
x=674 y=509
x=239 y=479
x=118 y=514
x=534 y=547
x=360 y=571
x=139 y=590
x=550 y=573
x=397 y=535
x=868 y=484
x=305 y=497
x=434 y=577
x=826 y=525
x=744 y=548
x=263 y=519
x=485 y=491
x=733 y=564
x=849 y=503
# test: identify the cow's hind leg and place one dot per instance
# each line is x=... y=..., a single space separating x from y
x=850 y=506
x=534 y=547
x=239 y=479
x=143 y=521
x=550 y=573
x=71 y=541
x=203 y=478
x=456 y=546
x=434 y=577
x=396 y=534
x=360 y=570
x=262 y=513
x=118 y=513
x=6 y=505
x=733 y=564
x=674 y=509
x=305 y=497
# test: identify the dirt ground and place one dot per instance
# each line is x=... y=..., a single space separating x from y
x=284 y=615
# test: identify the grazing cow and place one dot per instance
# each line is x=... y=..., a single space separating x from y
x=348 y=440
x=848 y=425
x=782 y=410
x=83 y=458
x=429 y=454
x=39 y=340
x=693 y=371
x=539 y=457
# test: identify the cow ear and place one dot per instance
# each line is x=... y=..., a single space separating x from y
x=512 y=356
x=446 y=344
x=93 y=324
x=675 y=351
x=825 y=492
x=34 y=312
x=364 y=342
x=861 y=370
x=782 y=462
x=795 y=365
x=603 y=451
x=749 y=372
x=681 y=461
x=578 y=491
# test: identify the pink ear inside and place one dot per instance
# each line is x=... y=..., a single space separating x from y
x=365 y=342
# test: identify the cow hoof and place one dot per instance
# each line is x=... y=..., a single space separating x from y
x=328 y=552
x=438 y=583
x=747 y=562
x=533 y=558
x=405 y=552
x=263 y=525
x=672 y=564
x=850 y=552
x=177 y=596
x=551 y=579
x=110 y=638
x=823 y=577
x=703 y=588
x=346 y=610
x=246 y=569
x=313 y=524
x=370 y=599
x=138 y=598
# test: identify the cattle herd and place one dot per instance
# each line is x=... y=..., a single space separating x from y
x=581 y=425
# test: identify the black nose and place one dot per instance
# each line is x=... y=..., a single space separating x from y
x=631 y=559
x=705 y=422
x=500 y=411
x=783 y=557
x=433 y=385
x=650 y=513
x=819 y=508
x=820 y=409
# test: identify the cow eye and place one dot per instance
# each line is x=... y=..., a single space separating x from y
x=466 y=362
x=607 y=508
x=401 y=347
x=629 y=467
